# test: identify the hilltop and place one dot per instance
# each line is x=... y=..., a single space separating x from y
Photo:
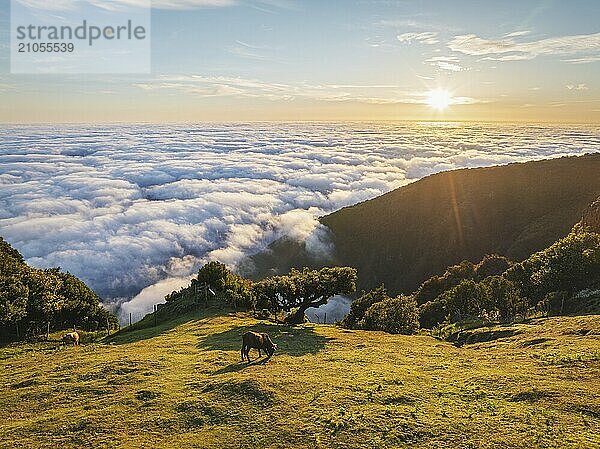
x=407 y=235
x=181 y=384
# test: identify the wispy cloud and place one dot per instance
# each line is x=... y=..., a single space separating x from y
x=426 y=37
x=508 y=49
x=249 y=51
x=518 y=33
x=580 y=86
x=448 y=63
x=210 y=86
x=583 y=60
x=64 y=5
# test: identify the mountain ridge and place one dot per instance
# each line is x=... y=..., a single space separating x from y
x=407 y=235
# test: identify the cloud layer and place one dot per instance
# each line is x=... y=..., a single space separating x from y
x=128 y=208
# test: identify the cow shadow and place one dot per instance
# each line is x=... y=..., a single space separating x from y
x=240 y=366
x=295 y=341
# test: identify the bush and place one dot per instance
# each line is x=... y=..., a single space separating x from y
x=492 y=265
x=432 y=313
x=436 y=285
x=394 y=315
x=467 y=299
x=504 y=297
x=360 y=305
x=569 y=265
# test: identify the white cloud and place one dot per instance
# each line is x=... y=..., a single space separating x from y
x=427 y=37
x=583 y=60
x=580 y=86
x=448 y=63
x=511 y=50
x=518 y=33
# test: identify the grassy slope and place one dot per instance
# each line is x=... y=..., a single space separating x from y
x=181 y=385
x=407 y=235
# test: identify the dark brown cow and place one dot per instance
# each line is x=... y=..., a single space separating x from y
x=258 y=341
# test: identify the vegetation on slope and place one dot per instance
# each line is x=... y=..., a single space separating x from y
x=404 y=237
x=181 y=384
x=33 y=299
x=293 y=293
x=561 y=279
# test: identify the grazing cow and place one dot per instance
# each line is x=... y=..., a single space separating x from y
x=71 y=337
x=258 y=341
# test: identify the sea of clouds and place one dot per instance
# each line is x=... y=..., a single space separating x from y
x=134 y=210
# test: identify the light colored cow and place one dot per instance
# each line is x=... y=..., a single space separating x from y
x=71 y=337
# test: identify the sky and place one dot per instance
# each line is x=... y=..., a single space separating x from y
x=247 y=60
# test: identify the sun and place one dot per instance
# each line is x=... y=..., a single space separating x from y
x=439 y=99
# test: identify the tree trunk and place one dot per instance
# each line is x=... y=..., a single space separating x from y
x=297 y=317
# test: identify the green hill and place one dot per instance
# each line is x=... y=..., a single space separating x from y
x=181 y=385
x=407 y=235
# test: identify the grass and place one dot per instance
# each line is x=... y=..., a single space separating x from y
x=181 y=384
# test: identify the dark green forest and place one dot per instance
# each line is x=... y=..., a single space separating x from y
x=33 y=301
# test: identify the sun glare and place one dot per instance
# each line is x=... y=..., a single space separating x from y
x=439 y=99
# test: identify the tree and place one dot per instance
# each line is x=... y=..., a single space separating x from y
x=492 y=265
x=239 y=292
x=503 y=295
x=360 y=305
x=302 y=289
x=433 y=313
x=569 y=265
x=13 y=301
x=39 y=300
x=436 y=285
x=44 y=297
x=466 y=299
x=394 y=315
x=275 y=293
x=214 y=274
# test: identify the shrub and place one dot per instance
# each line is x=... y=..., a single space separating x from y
x=492 y=265
x=360 y=305
x=432 y=313
x=570 y=264
x=467 y=299
x=436 y=285
x=503 y=296
x=394 y=315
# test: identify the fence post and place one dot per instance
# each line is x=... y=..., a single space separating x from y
x=130 y=318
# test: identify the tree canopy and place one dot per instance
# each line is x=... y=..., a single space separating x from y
x=302 y=289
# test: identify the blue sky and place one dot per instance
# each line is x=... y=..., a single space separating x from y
x=335 y=60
